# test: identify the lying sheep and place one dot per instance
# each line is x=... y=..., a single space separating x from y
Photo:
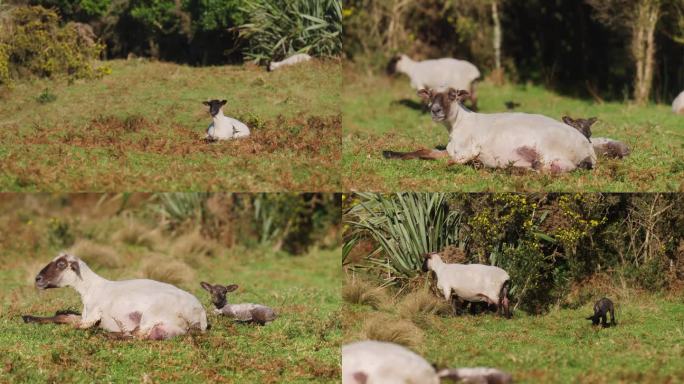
x=292 y=60
x=470 y=282
x=602 y=146
x=377 y=362
x=246 y=312
x=142 y=308
x=678 y=104
x=223 y=127
x=439 y=73
x=601 y=310
x=501 y=140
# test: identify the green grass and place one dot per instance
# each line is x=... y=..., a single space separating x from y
x=374 y=120
x=141 y=129
x=301 y=345
x=647 y=346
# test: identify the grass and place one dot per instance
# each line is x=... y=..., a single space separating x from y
x=141 y=129
x=301 y=345
x=381 y=113
x=647 y=346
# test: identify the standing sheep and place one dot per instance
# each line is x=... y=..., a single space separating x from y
x=601 y=310
x=470 y=282
x=142 y=308
x=377 y=362
x=439 y=73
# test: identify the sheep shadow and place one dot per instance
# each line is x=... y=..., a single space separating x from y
x=412 y=104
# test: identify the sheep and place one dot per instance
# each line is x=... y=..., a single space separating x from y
x=501 y=140
x=292 y=60
x=601 y=309
x=377 y=362
x=223 y=127
x=144 y=309
x=246 y=312
x=470 y=282
x=678 y=104
x=602 y=146
x=445 y=72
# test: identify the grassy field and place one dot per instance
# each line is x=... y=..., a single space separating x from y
x=301 y=345
x=382 y=113
x=647 y=346
x=141 y=129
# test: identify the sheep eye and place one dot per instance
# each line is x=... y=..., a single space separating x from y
x=61 y=265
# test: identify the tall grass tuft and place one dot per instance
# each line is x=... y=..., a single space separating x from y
x=419 y=306
x=280 y=28
x=163 y=268
x=405 y=226
x=383 y=327
x=363 y=293
x=98 y=255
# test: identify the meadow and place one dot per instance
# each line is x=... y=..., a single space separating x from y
x=382 y=113
x=141 y=128
x=557 y=347
x=301 y=345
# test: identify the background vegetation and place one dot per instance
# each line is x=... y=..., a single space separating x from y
x=182 y=239
x=563 y=252
x=558 y=44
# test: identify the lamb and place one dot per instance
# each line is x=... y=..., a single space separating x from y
x=246 y=312
x=678 y=104
x=470 y=282
x=601 y=309
x=144 y=309
x=292 y=60
x=223 y=127
x=445 y=72
x=377 y=362
x=501 y=140
x=602 y=146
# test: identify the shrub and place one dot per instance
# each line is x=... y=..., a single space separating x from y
x=34 y=43
x=280 y=28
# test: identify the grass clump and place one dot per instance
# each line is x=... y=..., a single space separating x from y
x=163 y=268
x=134 y=232
x=419 y=306
x=95 y=254
x=362 y=293
x=384 y=327
x=193 y=248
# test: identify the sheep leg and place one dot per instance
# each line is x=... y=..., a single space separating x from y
x=60 y=317
x=612 y=317
x=423 y=154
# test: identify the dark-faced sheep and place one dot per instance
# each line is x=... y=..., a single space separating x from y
x=601 y=310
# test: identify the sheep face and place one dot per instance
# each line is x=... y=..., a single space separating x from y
x=392 y=65
x=218 y=293
x=60 y=272
x=215 y=106
x=429 y=260
x=441 y=104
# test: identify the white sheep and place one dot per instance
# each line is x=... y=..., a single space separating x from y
x=223 y=127
x=470 y=282
x=292 y=60
x=377 y=362
x=678 y=104
x=500 y=140
x=142 y=308
x=245 y=312
x=438 y=73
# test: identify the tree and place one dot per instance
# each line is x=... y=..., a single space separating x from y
x=639 y=18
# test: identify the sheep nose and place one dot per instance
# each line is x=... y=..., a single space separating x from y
x=436 y=109
x=39 y=278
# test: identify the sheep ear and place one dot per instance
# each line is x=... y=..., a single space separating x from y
x=206 y=103
x=459 y=95
x=591 y=121
x=76 y=268
x=568 y=120
x=223 y=102
x=206 y=286
x=231 y=288
x=425 y=93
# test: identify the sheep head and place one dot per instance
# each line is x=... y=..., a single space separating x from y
x=441 y=103
x=218 y=293
x=429 y=260
x=215 y=106
x=62 y=271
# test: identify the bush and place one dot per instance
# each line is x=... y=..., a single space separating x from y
x=34 y=43
x=279 y=28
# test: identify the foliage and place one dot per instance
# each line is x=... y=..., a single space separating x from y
x=280 y=28
x=405 y=227
x=34 y=43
